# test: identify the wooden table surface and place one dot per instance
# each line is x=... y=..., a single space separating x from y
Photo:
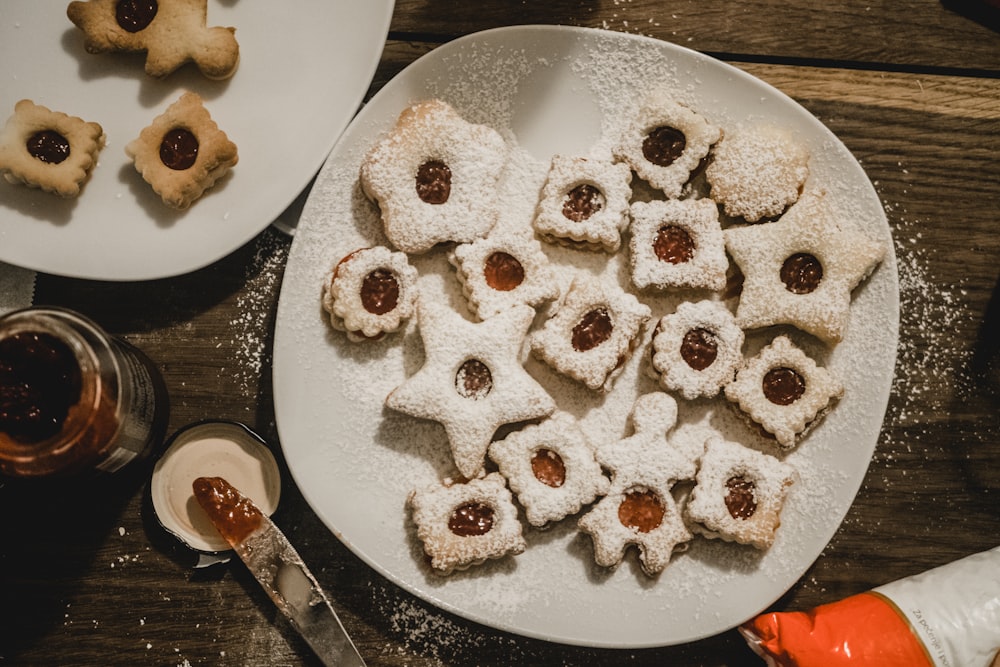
x=913 y=90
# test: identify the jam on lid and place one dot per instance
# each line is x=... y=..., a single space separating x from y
x=40 y=380
x=179 y=149
x=593 y=329
x=582 y=202
x=233 y=514
x=801 y=273
x=783 y=386
x=673 y=244
x=548 y=468
x=642 y=510
x=740 y=498
x=380 y=292
x=433 y=182
x=135 y=15
x=699 y=348
x=471 y=519
x=48 y=146
x=663 y=145
x=473 y=380
x=503 y=272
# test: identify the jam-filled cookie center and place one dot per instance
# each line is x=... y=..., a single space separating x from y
x=471 y=519
x=380 y=292
x=642 y=510
x=783 y=386
x=801 y=273
x=135 y=15
x=582 y=202
x=433 y=182
x=48 y=146
x=473 y=380
x=741 y=499
x=673 y=244
x=503 y=272
x=594 y=328
x=699 y=348
x=179 y=149
x=548 y=468
x=663 y=145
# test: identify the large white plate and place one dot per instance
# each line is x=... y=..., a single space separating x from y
x=553 y=89
x=304 y=68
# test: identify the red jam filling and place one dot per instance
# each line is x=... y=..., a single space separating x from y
x=548 y=468
x=233 y=514
x=801 y=273
x=434 y=182
x=783 y=386
x=135 y=15
x=663 y=146
x=699 y=348
x=582 y=202
x=642 y=510
x=473 y=380
x=741 y=500
x=673 y=244
x=593 y=329
x=48 y=146
x=503 y=272
x=471 y=519
x=380 y=292
x=179 y=149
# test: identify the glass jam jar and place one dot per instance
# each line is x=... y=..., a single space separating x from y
x=72 y=398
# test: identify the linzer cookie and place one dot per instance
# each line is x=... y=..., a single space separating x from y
x=370 y=293
x=666 y=142
x=502 y=271
x=738 y=494
x=697 y=349
x=756 y=172
x=802 y=269
x=639 y=507
x=49 y=150
x=170 y=32
x=472 y=380
x=593 y=332
x=677 y=243
x=584 y=203
x=182 y=153
x=551 y=469
x=434 y=178
x=784 y=391
x=461 y=525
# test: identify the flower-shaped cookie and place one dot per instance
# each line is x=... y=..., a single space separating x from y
x=434 y=177
x=472 y=380
x=802 y=269
x=466 y=524
x=666 y=142
x=171 y=32
x=697 y=349
x=182 y=152
x=756 y=172
x=502 y=271
x=370 y=293
x=677 y=243
x=784 y=391
x=48 y=149
x=593 y=333
x=739 y=494
x=584 y=203
x=639 y=507
x=551 y=469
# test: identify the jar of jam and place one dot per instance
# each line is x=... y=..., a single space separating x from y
x=72 y=398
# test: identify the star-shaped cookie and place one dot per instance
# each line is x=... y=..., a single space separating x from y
x=472 y=380
x=802 y=269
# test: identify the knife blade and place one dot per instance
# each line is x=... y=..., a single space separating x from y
x=270 y=557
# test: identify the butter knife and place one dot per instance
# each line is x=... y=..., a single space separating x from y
x=279 y=569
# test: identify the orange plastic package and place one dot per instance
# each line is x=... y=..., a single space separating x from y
x=945 y=617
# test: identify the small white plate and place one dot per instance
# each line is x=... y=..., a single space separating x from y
x=555 y=89
x=304 y=70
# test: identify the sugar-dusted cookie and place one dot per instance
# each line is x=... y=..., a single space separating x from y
x=182 y=152
x=639 y=507
x=757 y=171
x=551 y=469
x=49 y=149
x=466 y=524
x=370 y=293
x=501 y=271
x=697 y=349
x=472 y=380
x=677 y=243
x=584 y=203
x=739 y=494
x=434 y=177
x=802 y=269
x=171 y=32
x=666 y=142
x=784 y=391
x=593 y=332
